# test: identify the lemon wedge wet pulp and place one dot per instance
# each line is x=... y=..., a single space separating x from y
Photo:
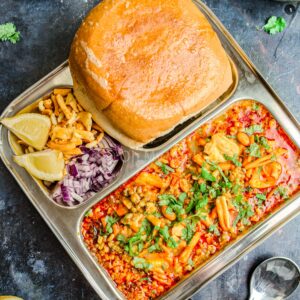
x=45 y=165
x=31 y=128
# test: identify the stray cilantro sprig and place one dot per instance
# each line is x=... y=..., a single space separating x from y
x=253 y=129
x=274 y=25
x=165 y=168
x=234 y=159
x=8 y=32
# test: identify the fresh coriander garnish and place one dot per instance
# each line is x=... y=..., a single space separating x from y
x=261 y=198
x=283 y=192
x=121 y=238
x=172 y=243
x=145 y=279
x=234 y=159
x=253 y=129
x=141 y=263
x=110 y=221
x=244 y=208
x=174 y=205
x=154 y=247
x=165 y=168
x=164 y=232
x=255 y=106
x=8 y=32
x=188 y=231
x=262 y=141
x=190 y=262
x=214 y=229
x=274 y=25
x=253 y=150
x=206 y=175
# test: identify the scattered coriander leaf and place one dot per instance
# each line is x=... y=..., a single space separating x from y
x=206 y=175
x=261 y=196
x=214 y=229
x=121 y=238
x=283 y=192
x=172 y=243
x=255 y=106
x=274 y=25
x=145 y=279
x=263 y=141
x=234 y=159
x=253 y=150
x=253 y=129
x=182 y=197
x=190 y=262
x=165 y=168
x=164 y=232
x=141 y=263
x=188 y=231
x=8 y=32
x=110 y=221
x=154 y=247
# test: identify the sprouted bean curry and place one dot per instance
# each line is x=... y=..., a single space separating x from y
x=193 y=200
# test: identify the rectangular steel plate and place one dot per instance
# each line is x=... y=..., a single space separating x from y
x=65 y=222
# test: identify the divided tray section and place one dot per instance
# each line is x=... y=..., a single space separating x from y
x=234 y=250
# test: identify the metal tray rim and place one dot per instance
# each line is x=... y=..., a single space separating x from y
x=63 y=236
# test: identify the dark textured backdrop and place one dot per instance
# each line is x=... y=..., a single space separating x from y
x=33 y=264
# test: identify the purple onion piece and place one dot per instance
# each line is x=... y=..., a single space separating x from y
x=89 y=172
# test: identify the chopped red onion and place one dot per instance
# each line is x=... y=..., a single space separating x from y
x=89 y=173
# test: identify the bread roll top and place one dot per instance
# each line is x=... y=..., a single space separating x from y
x=147 y=65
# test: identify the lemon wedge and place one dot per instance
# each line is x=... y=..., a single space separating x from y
x=45 y=165
x=31 y=128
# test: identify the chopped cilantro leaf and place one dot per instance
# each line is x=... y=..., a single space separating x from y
x=261 y=198
x=206 y=175
x=214 y=229
x=172 y=243
x=121 y=238
x=253 y=129
x=255 y=106
x=274 y=25
x=110 y=221
x=190 y=262
x=236 y=189
x=145 y=279
x=8 y=32
x=182 y=197
x=165 y=168
x=262 y=141
x=253 y=150
x=154 y=247
x=164 y=232
x=234 y=159
x=141 y=263
x=201 y=202
x=188 y=231
x=202 y=187
x=244 y=208
x=283 y=192
x=273 y=157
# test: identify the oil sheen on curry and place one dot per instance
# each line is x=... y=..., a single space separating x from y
x=192 y=201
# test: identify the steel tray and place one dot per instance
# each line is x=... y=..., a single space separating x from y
x=65 y=223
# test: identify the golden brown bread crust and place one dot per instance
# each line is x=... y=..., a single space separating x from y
x=147 y=65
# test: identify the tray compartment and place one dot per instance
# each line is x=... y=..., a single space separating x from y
x=16 y=149
x=177 y=291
